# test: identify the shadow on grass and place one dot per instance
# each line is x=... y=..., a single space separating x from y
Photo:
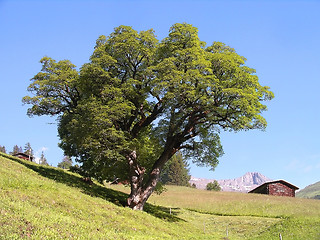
x=95 y=190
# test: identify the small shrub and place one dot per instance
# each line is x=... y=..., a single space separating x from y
x=213 y=186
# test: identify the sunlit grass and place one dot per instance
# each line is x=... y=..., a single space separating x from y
x=237 y=204
x=38 y=202
x=248 y=216
x=33 y=206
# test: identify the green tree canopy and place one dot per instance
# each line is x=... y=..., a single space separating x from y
x=138 y=101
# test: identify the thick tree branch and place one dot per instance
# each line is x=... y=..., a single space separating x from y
x=146 y=121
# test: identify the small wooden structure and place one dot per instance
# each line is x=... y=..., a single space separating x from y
x=276 y=188
x=23 y=156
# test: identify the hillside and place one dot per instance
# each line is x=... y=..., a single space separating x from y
x=38 y=202
x=243 y=184
x=312 y=191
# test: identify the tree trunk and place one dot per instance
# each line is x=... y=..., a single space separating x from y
x=140 y=192
x=138 y=200
x=135 y=200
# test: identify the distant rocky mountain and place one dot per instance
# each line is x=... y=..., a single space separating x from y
x=311 y=191
x=245 y=183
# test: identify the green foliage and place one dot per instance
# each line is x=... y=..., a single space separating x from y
x=53 y=87
x=28 y=150
x=176 y=171
x=160 y=188
x=150 y=98
x=66 y=163
x=213 y=186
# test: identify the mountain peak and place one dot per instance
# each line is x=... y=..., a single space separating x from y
x=255 y=178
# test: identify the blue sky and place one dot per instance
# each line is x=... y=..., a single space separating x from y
x=280 y=39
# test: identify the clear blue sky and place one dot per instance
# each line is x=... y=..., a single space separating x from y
x=280 y=39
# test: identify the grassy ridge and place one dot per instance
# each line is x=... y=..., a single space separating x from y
x=38 y=202
x=311 y=191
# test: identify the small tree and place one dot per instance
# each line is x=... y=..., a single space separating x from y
x=43 y=160
x=176 y=171
x=28 y=150
x=213 y=186
x=66 y=163
x=16 y=149
x=3 y=149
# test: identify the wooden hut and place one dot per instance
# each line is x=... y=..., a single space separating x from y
x=23 y=156
x=276 y=188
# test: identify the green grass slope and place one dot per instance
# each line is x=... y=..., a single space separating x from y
x=311 y=191
x=39 y=202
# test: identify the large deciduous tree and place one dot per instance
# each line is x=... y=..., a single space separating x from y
x=139 y=101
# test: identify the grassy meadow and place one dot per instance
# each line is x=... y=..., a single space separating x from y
x=39 y=202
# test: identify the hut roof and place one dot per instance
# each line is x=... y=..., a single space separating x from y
x=277 y=181
x=23 y=155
